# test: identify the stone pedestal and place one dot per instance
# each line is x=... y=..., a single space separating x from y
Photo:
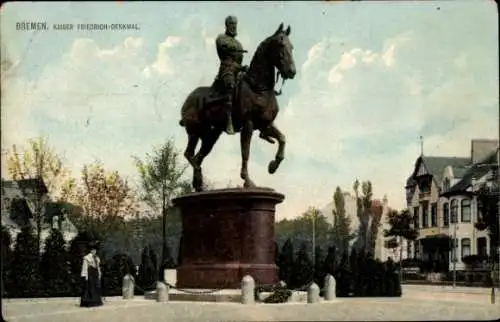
x=227 y=234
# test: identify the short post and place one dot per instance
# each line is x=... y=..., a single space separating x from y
x=313 y=293
x=247 y=290
x=329 y=288
x=128 y=287
x=162 y=290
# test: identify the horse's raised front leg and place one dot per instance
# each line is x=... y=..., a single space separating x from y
x=245 y=142
x=208 y=141
x=274 y=132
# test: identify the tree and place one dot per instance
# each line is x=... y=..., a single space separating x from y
x=286 y=262
x=330 y=262
x=302 y=228
x=400 y=227
x=6 y=258
x=303 y=268
x=488 y=196
x=114 y=270
x=319 y=268
x=38 y=160
x=341 y=232
x=276 y=253
x=167 y=261
x=162 y=180
x=106 y=198
x=25 y=265
x=147 y=274
x=363 y=211
x=376 y=215
x=366 y=200
x=54 y=269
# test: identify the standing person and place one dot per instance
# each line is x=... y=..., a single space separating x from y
x=91 y=276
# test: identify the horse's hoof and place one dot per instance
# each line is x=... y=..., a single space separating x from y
x=272 y=167
x=249 y=184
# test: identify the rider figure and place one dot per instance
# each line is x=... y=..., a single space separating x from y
x=230 y=52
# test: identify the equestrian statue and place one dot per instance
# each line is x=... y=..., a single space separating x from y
x=241 y=99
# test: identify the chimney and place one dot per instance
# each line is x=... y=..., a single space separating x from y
x=481 y=148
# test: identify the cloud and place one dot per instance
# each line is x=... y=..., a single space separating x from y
x=355 y=113
x=349 y=59
x=365 y=115
x=388 y=56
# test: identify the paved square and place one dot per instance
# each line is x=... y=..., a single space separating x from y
x=416 y=304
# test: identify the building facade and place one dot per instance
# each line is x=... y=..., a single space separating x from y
x=19 y=201
x=380 y=208
x=440 y=196
x=350 y=210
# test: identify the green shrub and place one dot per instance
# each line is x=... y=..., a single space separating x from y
x=54 y=269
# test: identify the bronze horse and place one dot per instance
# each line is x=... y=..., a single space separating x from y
x=254 y=108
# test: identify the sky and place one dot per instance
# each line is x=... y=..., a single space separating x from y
x=372 y=77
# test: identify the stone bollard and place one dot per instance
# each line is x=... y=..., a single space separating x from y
x=247 y=290
x=329 y=287
x=162 y=291
x=313 y=293
x=128 y=287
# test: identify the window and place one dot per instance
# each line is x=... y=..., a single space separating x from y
x=446 y=215
x=434 y=215
x=481 y=246
x=465 y=210
x=416 y=217
x=454 y=211
x=425 y=214
x=465 y=247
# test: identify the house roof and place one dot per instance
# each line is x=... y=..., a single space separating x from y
x=436 y=165
x=475 y=172
x=20 y=213
x=459 y=172
x=24 y=184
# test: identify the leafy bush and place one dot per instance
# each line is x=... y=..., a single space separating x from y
x=302 y=272
x=6 y=258
x=286 y=262
x=360 y=275
x=148 y=274
x=54 y=269
x=113 y=272
x=24 y=278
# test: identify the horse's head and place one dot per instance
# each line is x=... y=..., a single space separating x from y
x=280 y=52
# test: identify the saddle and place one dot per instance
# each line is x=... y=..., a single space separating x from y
x=215 y=94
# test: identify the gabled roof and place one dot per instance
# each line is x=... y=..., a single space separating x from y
x=478 y=170
x=459 y=172
x=26 y=184
x=435 y=166
x=19 y=214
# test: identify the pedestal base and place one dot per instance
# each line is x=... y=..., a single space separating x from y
x=226 y=276
x=227 y=234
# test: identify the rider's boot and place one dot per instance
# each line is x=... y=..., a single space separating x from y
x=229 y=126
